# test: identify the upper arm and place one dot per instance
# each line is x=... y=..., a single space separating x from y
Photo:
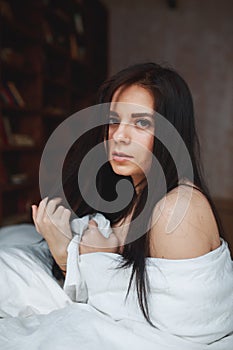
x=183 y=226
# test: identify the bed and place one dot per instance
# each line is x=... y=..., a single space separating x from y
x=191 y=300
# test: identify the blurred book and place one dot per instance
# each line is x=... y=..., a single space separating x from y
x=78 y=22
x=47 y=32
x=22 y=140
x=82 y=53
x=3 y=174
x=12 y=58
x=74 y=49
x=7 y=97
x=3 y=134
x=18 y=179
x=10 y=138
x=46 y=2
x=56 y=111
x=62 y=15
x=6 y=11
x=8 y=130
x=10 y=95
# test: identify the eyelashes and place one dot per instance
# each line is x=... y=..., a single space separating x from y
x=112 y=121
x=141 y=123
x=145 y=123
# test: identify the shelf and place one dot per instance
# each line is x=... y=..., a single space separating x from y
x=57 y=83
x=51 y=54
x=18 y=71
x=20 y=110
x=58 y=15
x=10 y=187
x=21 y=148
x=19 y=30
x=55 y=113
x=79 y=63
x=57 y=49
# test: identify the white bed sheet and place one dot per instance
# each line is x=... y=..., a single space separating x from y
x=191 y=303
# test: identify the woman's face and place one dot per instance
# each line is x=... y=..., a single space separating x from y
x=131 y=132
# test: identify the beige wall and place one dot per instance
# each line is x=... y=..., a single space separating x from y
x=196 y=39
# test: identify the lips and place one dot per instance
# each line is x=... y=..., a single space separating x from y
x=121 y=154
x=121 y=157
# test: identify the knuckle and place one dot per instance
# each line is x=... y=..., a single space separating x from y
x=56 y=199
x=46 y=220
x=52 y=201
x=60 y=208
x=44 y=201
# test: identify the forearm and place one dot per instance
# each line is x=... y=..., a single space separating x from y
x=62 y=262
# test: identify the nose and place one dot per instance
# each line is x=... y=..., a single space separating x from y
x=122 y=133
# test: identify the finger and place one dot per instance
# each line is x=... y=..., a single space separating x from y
x=41 y=209
x=54 y=219
x=58 y=211
x=34 y=211
x=51 y=205
x=58 y=214
x=66 y=220
x=92 y=224
x=93 y=228
x=34 y=215
x=66 y=215
x=63 y=214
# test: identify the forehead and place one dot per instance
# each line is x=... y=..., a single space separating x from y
x=132 y=98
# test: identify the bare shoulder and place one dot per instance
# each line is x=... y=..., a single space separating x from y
x=183 y=225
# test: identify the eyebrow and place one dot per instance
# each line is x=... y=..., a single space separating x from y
x=134 y=115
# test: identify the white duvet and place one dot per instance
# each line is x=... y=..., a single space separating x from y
x=191 y=302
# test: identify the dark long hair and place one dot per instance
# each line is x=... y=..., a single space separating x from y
x=172 y=100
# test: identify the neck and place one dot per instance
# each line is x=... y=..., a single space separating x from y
x=139 y=184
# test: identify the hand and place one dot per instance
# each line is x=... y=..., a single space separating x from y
x=93 y=241
x=52 y=222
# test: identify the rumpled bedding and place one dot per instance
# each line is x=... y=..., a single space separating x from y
x=191 y=302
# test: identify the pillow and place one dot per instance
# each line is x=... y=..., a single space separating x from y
x=27 y=285
x=19 y=234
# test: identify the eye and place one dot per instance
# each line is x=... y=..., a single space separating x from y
x=143 y=123
x=113 y=120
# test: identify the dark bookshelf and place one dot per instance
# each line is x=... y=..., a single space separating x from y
x=53 y=57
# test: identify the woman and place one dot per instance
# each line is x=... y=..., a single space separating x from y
x=131 y=145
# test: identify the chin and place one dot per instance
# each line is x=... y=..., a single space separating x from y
x=121 y=172
x=121 y=169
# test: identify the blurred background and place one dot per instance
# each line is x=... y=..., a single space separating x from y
x=53 y=49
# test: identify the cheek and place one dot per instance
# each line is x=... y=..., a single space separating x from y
x=148 y=144
x=151 y=143
x=108 y=141
x=110 y=133
x=105 y=146
x=148 y=151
